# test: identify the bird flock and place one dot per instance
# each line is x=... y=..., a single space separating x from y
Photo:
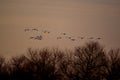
x=37 y=37
x=59 y=37
x=73 y=38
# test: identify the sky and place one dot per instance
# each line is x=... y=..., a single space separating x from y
x=86 y=18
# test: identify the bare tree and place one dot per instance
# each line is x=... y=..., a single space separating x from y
x=113 y=66
x=19 y=67
x=2 y=60
x=90 y=62
x=67 y=66
x=4 y=73
x=44 y=63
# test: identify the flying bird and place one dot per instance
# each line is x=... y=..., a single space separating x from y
x=45 y=31
x=91 y=38
x=59 y=37
x=64 y=33
x=82 y=37
x=38 y=37
x=35 y=29
x=26 y=30
x=73 y=39
x=48 y=32
x=31 y=37
x=99 y=38
x=68 y=37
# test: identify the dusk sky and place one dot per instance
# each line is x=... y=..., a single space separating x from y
x=77 y=18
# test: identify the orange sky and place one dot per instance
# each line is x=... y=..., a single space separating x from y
x=97 y=18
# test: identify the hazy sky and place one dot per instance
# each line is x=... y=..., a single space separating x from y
x=97 y=18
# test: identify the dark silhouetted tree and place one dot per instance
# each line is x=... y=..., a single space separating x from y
x=4 y=72
x=90 y=62
x=113 y=66
x=67 y=66
x=44 y=63
x=19 y=68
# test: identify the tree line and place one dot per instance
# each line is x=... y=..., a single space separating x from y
x=88 y=62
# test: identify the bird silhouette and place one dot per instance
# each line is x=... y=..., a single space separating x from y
x=59 y=37
x=26 y=30
x=69 y=37
x=31 y=37
x=35 y=29
x=73 y=39
x=38 y=37
x=64 y=33
x=98 y=38
x=45 y=31
x=82 y=37
x=91 y=38
x=48 y=32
